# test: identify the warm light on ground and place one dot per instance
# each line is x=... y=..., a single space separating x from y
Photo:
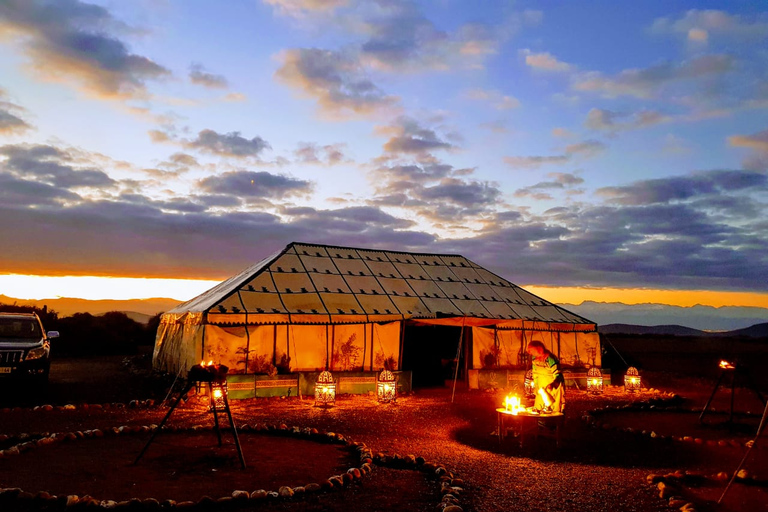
x=27 y=287
x=685 y=298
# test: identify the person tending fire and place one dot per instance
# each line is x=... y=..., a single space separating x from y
x=547 y=379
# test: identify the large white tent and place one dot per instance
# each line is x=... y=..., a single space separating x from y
x=314 y=307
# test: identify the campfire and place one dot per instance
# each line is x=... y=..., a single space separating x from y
x=512 y=404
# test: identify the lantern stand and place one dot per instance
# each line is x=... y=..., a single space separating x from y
x=735 y=370
x=216 y=378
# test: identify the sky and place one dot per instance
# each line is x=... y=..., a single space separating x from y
x=583 y=149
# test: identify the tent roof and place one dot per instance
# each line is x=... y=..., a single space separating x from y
x=320 y=284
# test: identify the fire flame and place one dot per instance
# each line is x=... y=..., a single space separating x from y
x=512 y=404
x=209 y=363
x=595 y=382
x=545 y=396
x=726 y=365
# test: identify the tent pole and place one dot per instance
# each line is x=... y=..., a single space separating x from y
x=754 y=442
x=458 y=355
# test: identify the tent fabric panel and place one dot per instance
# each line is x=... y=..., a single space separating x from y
x=482 y=291
x=348 y=348
x=589 y=348
x=259 y=302
x=484 y=348
x=441 y=306
x=348 y=267
x=346 y=253
x=318 y=264
x=307 y=344
x=471 y=308
x=468 y=274
x=382 y=269
x=499 y=309
x=287 y=263
x=303 y=303
x=341 y=303
x=377 y=304
x=293 y=282
x=411 y=271
x=489 y=277
x=177 y=345
x=261 y=340
x=385 y=344
x=260 y=283
x=411 y=306
x=456 y=290
x=330 y=283
x=427 y=289
x=364 y=284
x=512 y=347
x=395 y=286
x=439 y=273
x=227 y=345
x=231 y=303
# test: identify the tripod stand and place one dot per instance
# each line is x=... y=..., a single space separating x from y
x=215 y=377
x=734 y=370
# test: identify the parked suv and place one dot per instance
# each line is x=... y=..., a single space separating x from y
x=25 y=348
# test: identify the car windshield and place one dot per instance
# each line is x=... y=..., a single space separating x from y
x=19 y=328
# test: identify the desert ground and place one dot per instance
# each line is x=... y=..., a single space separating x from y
x=616 y=448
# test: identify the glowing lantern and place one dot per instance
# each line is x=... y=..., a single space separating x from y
x=530 y=392
x=513 y=404
x=632 y=380
x=727 y=365
x=386 y=386
x=218 y=395
x=595 y=380
x=325 y=390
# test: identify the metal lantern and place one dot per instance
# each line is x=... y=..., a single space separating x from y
x=218 y=390
x=386 y=386
x=325 y=390
x=528 y=386
x=632 y=380
x=595 y=380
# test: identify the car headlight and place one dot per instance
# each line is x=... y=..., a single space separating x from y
x=36 y=353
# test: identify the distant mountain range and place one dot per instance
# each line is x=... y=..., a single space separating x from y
x=139 y=310
x=755 y=331
x=696 y=318
x=701 y=318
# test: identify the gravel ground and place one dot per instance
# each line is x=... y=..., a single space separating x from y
x=595 y=469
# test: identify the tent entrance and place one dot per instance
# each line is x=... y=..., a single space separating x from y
x=429 y=352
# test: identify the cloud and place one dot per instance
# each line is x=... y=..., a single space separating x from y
x=230 y=144
x=698 y=25
x=461 y=193
x=49 y=165
x=198 y=76
x=301 y=8
x=496 y=99
x=10 y=122
x=338 y=83
x=544 y=61
x=408 y=136
x=682 y=188
x=558 y=181
x=758 y=159
x=758 y=141
x=612 y=122
x=330 y=154
x=401 y=39
x=650 y=82
x=250 y=184
x=534 y=162
x=60 y=48
x=586 y=149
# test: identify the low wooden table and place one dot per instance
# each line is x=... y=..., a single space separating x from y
x=525 y=425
